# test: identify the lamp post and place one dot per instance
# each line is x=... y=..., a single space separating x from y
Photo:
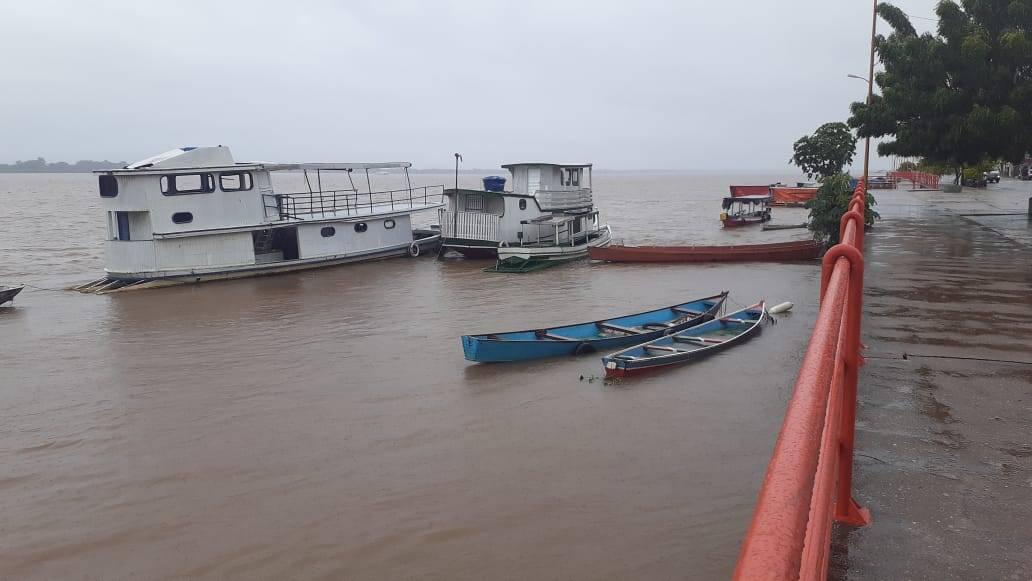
x=867 y=140
x=870 y=88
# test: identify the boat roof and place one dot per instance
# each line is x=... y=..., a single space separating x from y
x=512 y=165
x=219 y=158
x=748 y=199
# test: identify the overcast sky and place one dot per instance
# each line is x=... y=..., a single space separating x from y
x=680 y=84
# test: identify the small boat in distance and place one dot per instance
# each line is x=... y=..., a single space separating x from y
x=592 y=336
x=745 y=210
x=7 y=293
x=688 y=345
x=775 y=252
x=551 y=240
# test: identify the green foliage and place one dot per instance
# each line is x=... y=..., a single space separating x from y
x=826 y=152
x=907 y=166
x=827 y=207
x=957 y=97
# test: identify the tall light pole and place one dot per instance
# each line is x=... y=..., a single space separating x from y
x=870 y=90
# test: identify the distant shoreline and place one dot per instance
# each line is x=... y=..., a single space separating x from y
x=40 y=165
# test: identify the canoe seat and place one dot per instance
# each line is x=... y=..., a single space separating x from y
x=552 y=336
x=662 y=348
x=659 y=325
x=625 y=357
x=686 y=311
x=613 y=327
x=683 y=339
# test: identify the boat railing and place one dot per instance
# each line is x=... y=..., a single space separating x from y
x=470 y=225
x=350 y=202
x=808 y=484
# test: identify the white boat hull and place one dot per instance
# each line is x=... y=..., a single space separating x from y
x=557 y=253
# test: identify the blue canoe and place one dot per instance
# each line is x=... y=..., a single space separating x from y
x=590 y=337
x=688 y=345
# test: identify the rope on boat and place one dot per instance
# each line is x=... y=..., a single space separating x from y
x=42 y=288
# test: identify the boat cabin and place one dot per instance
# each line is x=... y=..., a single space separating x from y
x=475 y=222
x=743 y=210
x=196 y=213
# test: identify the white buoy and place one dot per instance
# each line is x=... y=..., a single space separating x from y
x=780 y=308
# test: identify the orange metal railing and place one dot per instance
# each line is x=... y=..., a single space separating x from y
x=919 y=179
x=809 y=478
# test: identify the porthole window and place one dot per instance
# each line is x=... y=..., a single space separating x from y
x=389 y=224
x=182 y=218
x=361 y=227
x=328 y=231
x=523 y=204
x=108 y=186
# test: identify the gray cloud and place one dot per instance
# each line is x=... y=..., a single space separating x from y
x=678 y=85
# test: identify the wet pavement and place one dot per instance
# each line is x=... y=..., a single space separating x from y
x=944 y=420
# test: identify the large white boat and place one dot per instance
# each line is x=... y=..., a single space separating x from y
x=194 y=214
x=477 y=223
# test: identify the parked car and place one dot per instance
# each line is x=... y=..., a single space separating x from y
x=993 y=177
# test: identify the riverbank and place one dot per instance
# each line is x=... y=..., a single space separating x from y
x=943 y=454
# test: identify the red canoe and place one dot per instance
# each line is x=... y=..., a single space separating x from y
x=780 y=251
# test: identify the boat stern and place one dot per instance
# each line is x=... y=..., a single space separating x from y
x=470 y=347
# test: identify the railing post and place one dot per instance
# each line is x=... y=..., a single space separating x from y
x=847 y=510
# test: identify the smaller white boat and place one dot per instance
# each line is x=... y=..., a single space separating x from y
x=550 y=240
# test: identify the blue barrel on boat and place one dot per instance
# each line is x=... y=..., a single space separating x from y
x=494 y=183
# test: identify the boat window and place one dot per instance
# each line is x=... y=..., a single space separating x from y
x=570 y=176
x=182 y=218
x=474 y=203
x=108 y=186
x=389 y=224
x=523 y=204
x=187 y=183
x=235 y=182
x=328 y=231
x=361 y=227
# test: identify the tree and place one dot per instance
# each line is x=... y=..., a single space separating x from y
x=957 y=97
x=907 y=166
x=826 y=152
x=826 y=208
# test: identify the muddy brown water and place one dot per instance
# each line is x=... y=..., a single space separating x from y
x=324 y=425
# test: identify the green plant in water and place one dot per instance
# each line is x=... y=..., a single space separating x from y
x=827 y=207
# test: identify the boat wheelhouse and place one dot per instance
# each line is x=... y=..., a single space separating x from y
x=194 y=214
x=476 y=222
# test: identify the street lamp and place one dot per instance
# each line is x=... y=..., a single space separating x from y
x=864 y=79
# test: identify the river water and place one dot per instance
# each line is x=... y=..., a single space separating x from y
x=324 y=425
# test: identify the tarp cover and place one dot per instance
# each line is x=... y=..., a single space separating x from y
x=739 y=191
x=793 y=195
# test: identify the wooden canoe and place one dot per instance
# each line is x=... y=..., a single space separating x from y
x=688 y=345
x=7 y=293
x=776 y=252
x=577 y=339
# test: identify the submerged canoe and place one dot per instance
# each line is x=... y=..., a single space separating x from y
x=593 y=336
x=779 y=251
x=688 y=345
